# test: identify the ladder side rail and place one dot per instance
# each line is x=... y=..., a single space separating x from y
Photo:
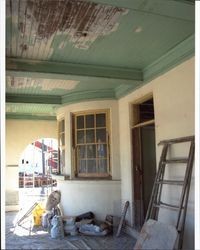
x=181 y=226
x=186 y=181
x=27 y=213
x=155 y=185
x=158 y=195
x=158 y=191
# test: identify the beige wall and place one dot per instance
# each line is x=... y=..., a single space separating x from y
x=99 y=197
x=173 y=95
x=20 y=133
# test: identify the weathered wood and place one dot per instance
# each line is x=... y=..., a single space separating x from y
x=156 y=235
x=142 y=124
x=85 y=245
x=170 y=182
x=177 y=140
x=167 y=206
x=122 y=218
x=72 y=246
x=171 y=161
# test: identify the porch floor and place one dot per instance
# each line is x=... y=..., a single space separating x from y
x=21 y=238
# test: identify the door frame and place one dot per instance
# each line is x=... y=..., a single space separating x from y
x=136 y=124
x=138 y=176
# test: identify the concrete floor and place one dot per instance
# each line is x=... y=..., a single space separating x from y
x=21 y=238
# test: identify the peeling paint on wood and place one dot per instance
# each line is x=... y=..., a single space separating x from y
x=39 y=21
x=43 y=84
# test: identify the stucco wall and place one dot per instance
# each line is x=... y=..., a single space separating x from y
x=20 y=133
x=173 y=95
x=101 y=197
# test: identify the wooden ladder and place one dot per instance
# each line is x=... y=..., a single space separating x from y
x=156 y=203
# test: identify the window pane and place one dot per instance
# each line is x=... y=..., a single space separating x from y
x=80 y=136
x=101 y=135
x=89 y=121
x=91 y=166
x=80 y=122
x=90 y=136
x=102 y=165
x=100 y=120
x=62 y=139
x=90 y=143
x=82 y=166
x=101 y=150
x=81 y=151
x=62 y=126
x=91 y=151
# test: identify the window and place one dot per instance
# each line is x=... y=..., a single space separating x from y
x=91 y=144
x=61 y=144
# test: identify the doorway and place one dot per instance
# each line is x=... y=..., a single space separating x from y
x=144 y=159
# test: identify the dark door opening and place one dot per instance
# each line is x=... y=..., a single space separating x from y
x=144 y=163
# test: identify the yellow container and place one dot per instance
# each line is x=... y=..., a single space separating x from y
x=37 y=215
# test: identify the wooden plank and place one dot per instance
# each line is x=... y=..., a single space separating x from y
x=167 y=206
x=156 y=235
x=72 y=246
x=171 y=161
x=177 y=140
x=122 y=218
x=144 y=124
x=170 y=182
x=85 y=245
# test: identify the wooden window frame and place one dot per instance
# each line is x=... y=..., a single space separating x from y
x=61 y=148
x=75 y=143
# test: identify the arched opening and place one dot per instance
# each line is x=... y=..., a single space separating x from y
x=37 y=163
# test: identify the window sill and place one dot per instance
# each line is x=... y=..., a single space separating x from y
x=61 y=177
x=108 y=178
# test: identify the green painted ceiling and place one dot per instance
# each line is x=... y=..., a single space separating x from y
x=66 y=51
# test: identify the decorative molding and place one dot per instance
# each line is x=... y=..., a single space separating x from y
x=41 y=99
x=54 y=70
x=29 y=117
x=88 y=95
x=123 y=90
x=171 y=59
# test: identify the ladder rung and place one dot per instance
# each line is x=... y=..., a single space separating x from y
x=167 y=206
x=181 y=160
x=177 y=140
x=170 y=182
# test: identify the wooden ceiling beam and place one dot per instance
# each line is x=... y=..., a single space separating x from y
x=67 y=71
x=36 y=99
